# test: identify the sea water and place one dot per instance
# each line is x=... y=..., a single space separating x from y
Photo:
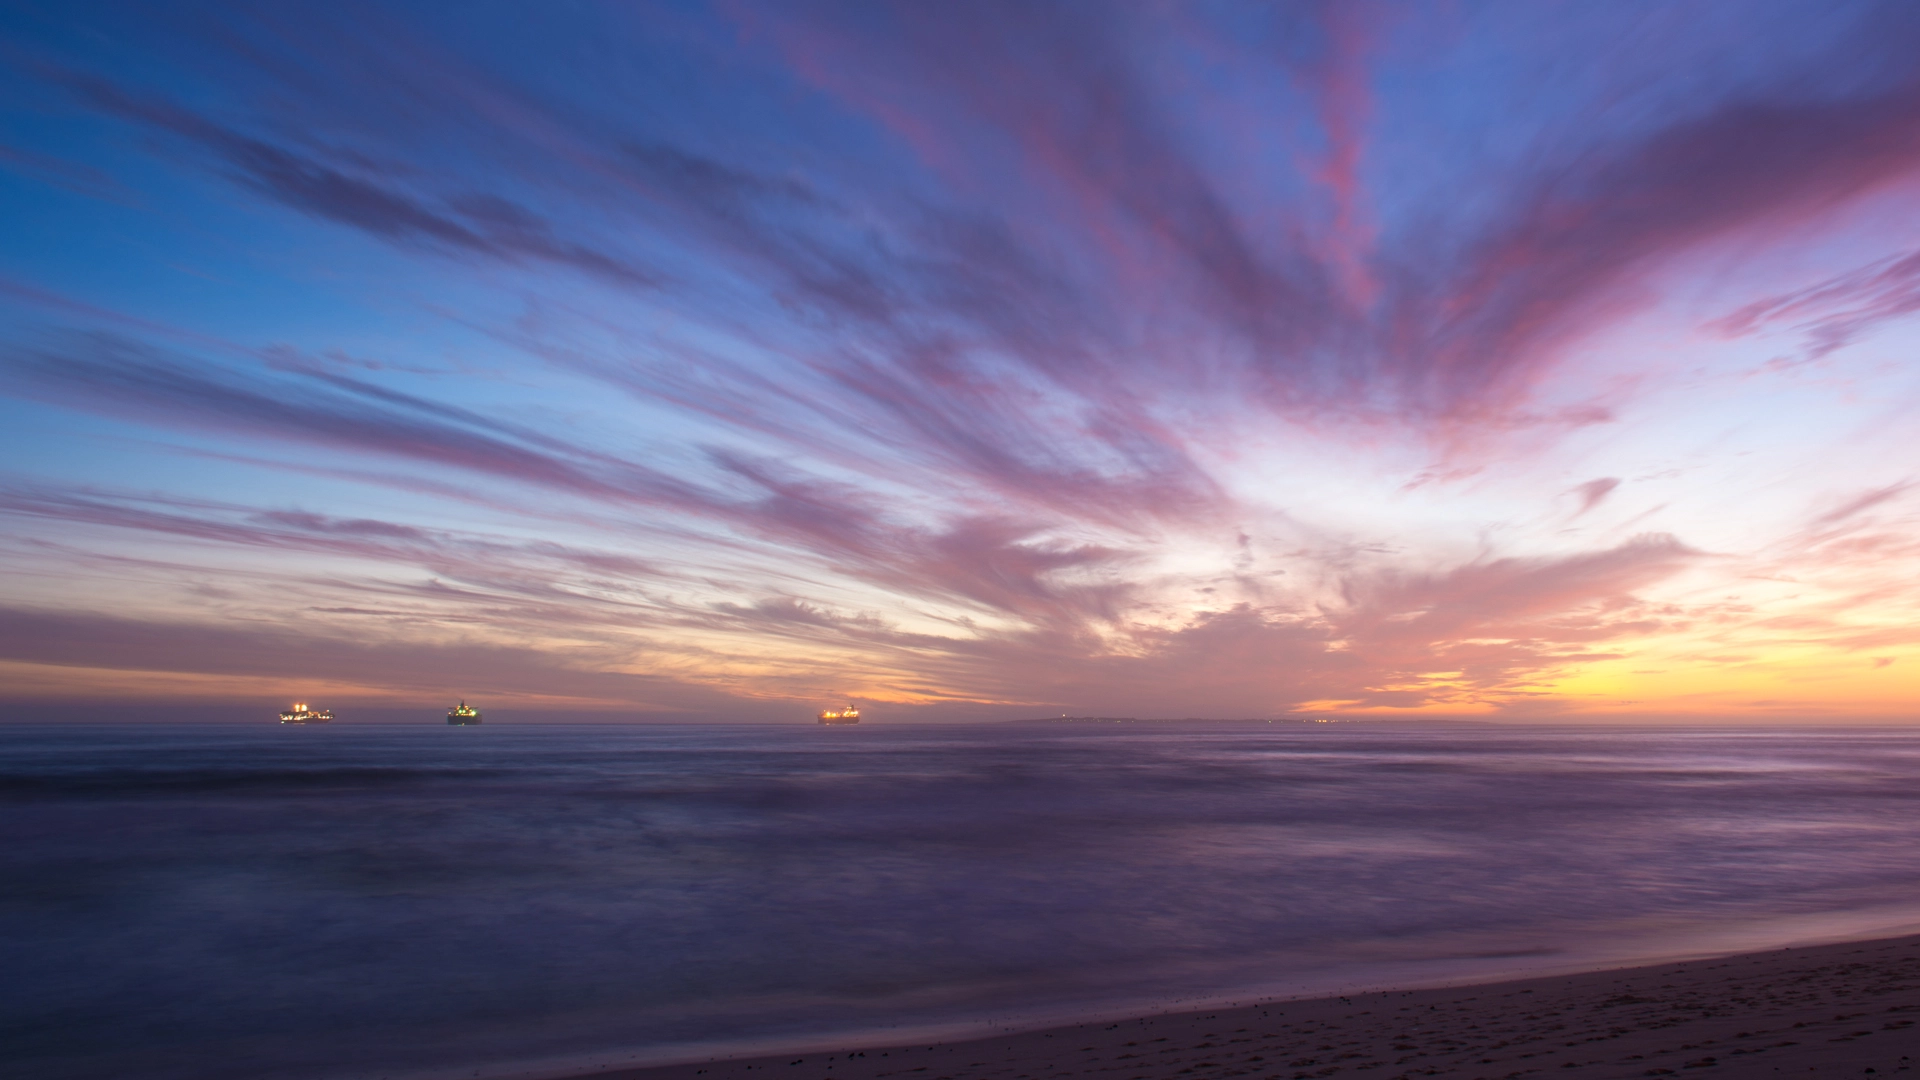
x=348 y=901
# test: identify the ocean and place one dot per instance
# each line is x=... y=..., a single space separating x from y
x=401 y=901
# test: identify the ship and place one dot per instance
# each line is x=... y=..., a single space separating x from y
x=848 y=715
x=301 y=714
x=463 y=713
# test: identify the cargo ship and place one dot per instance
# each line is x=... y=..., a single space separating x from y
x=301 y=714
x=463 y=714
x=848 y=715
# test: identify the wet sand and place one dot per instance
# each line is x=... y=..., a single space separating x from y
x=1826 y=1011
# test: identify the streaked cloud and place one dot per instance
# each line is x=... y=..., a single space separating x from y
x=971 y=360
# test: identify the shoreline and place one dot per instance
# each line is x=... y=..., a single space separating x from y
x=1843 y=1009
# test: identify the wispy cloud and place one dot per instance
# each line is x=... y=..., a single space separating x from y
x=991 y=353
x=1833 y=313
x=105 y=372
x=476 y=223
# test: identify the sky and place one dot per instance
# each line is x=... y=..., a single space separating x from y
x=683 y=361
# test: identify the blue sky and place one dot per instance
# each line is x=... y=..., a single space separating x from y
x=720 y=361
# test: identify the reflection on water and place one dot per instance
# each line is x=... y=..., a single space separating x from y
x=306 y=901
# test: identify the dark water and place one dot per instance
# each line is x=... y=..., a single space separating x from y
x=369 y=901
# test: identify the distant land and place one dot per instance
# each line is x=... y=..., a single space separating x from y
x=1184 y=720
x=1301 y=718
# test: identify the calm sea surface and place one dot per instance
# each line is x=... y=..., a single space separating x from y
x=390 y=901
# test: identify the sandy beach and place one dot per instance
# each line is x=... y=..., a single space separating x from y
x=1827 y=1011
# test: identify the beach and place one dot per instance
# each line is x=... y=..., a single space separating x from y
x=1846 y=1009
